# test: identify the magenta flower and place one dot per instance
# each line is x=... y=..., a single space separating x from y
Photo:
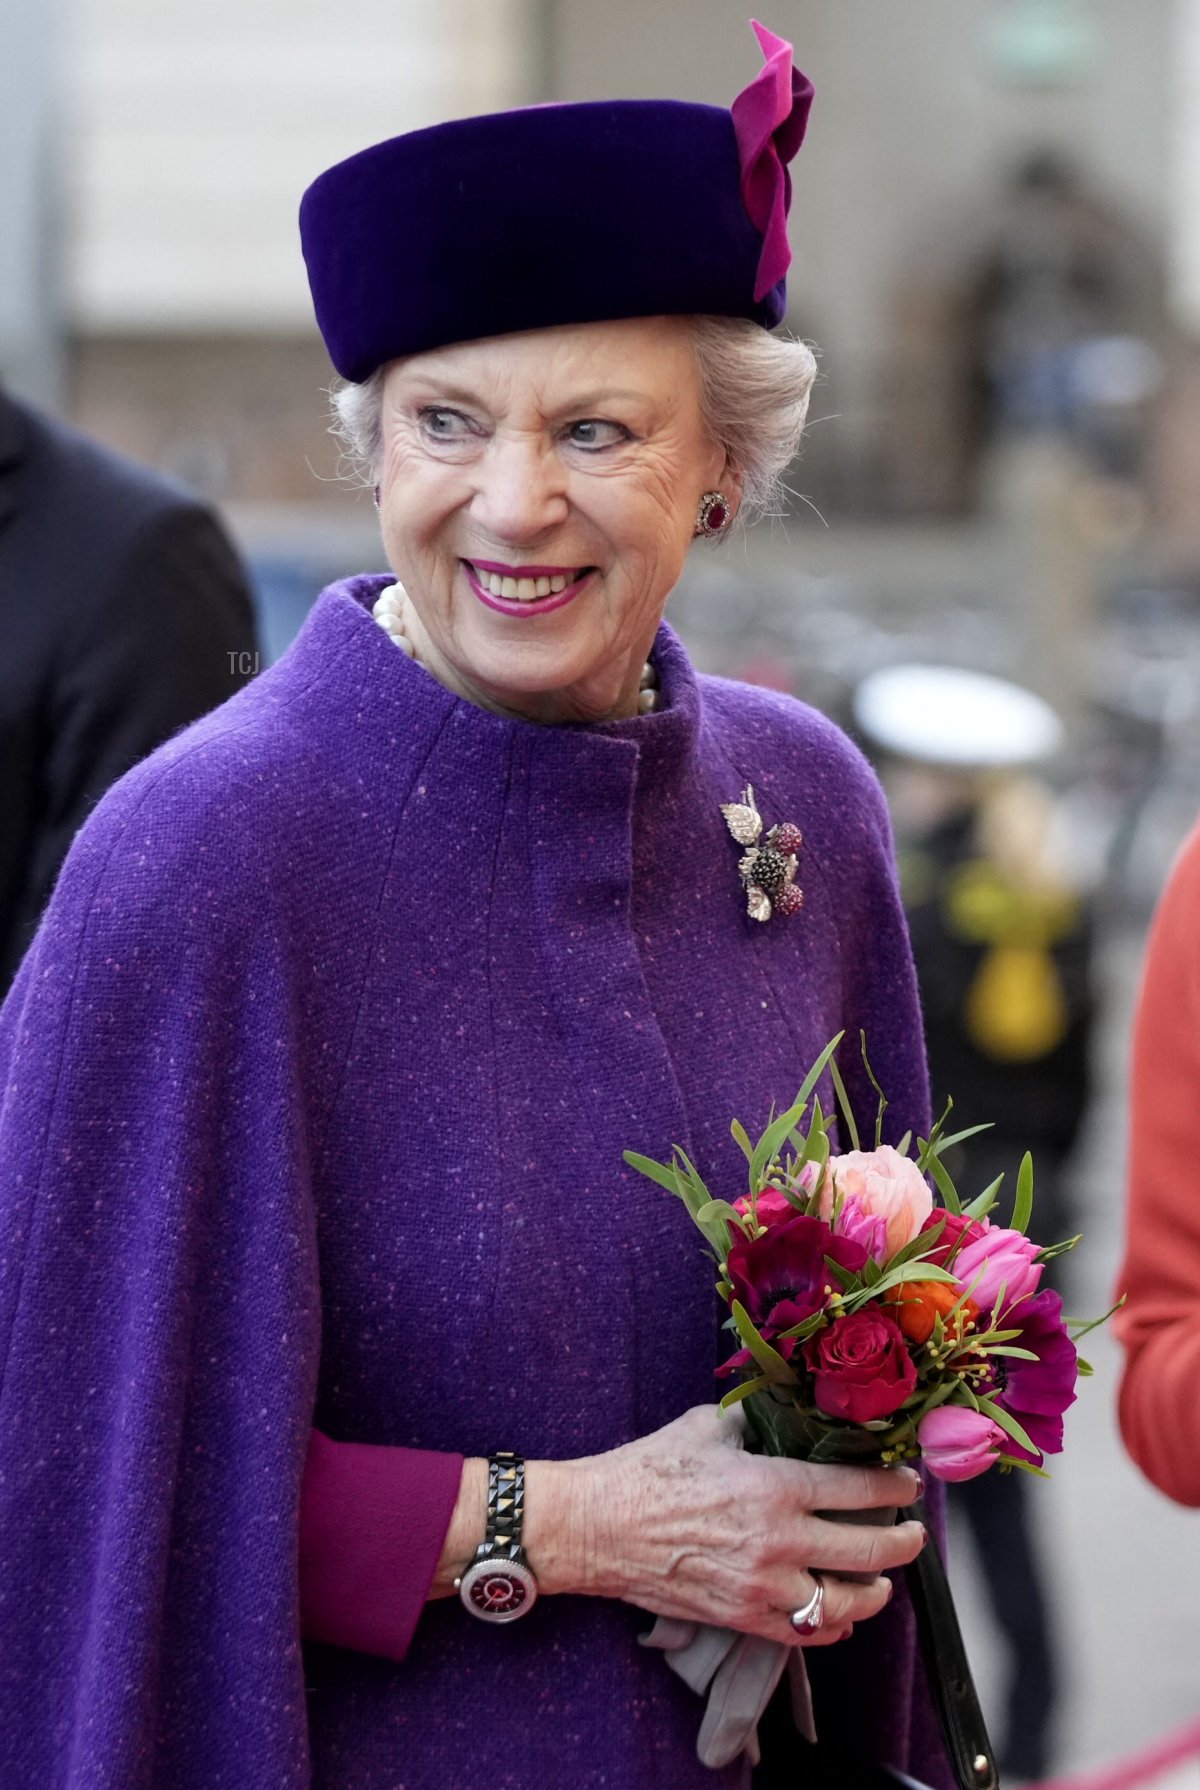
x=958 y=1444
x=1004 y=1262
x=1037 y=1392
x=780 y=1278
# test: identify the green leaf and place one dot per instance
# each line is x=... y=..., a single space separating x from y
x=1007 y=1423
x=816 y=1149
x=843 y=1100
x=719 y=1209
x=924 y=1243
x=945 y=1185
x=930 y=1146
x=741 y=1139
x=872 y=1273
x=905 y=1144
x=1009 y=1461
x=808 y=1327
x=1023 y=1204
x=1085 y=1368
x=1056 y=1249
x=655 y=1171
x=1079 y=1327
x=744 y=1390
x=883 y=1099
x=692 y=1175
x=845 y=1278
x=893 y=1277
x=980 y=1207
x=771 y=1362
x=960 y=1137
x=1008 y=1349
x=777 y=1132
x=927 y=1400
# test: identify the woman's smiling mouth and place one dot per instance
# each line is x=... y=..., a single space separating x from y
x=519 y=590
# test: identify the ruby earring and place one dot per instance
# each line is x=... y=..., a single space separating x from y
x=714 y=514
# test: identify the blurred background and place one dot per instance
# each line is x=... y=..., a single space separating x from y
x=996 y=231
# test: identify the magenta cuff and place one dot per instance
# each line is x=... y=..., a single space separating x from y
x=373 y=1523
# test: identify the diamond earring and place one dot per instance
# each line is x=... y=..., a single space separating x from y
x=714 y=515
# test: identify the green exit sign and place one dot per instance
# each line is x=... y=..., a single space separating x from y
x=1042 y=43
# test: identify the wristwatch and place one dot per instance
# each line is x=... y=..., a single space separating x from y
x=500 y=1585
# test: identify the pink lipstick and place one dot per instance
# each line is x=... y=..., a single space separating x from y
x=533 y=605
x=488 y=565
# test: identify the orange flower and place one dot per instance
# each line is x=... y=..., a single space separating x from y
x=919 y=1302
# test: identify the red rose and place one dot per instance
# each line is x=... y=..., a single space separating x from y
x=861 y=1367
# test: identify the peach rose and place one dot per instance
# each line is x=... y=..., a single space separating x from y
x=885 y=1185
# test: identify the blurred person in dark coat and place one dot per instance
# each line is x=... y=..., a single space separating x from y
x=124 y=615
x=1002 y=939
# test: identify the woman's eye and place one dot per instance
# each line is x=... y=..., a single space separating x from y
x=446 y=425
x=593 y=432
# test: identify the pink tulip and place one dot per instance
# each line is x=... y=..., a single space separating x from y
x=868 y=1228
x=958 y=1444
x=1004 y=1261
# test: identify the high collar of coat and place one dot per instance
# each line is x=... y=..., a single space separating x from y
x=404 y=695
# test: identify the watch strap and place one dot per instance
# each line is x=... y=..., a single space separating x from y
x=505 y=1506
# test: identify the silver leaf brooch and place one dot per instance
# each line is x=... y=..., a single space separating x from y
x=768 y=867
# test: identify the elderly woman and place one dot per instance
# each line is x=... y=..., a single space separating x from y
x=329 y=1311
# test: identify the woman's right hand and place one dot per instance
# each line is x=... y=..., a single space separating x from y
x=685 y=1523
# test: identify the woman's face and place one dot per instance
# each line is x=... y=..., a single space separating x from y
x=537 y=495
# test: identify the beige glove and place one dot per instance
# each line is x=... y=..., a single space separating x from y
x=740 y=1673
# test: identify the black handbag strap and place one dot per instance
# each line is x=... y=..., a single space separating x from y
x=955 y=1697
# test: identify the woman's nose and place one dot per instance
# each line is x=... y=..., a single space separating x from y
x=521 y=490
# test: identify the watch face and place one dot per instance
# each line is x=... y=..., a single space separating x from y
x=498 y=1590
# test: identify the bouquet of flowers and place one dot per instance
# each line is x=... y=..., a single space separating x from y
x=873 y=1323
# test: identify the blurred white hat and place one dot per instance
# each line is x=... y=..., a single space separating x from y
x=965 y=719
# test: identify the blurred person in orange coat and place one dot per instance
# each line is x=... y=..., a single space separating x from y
x=1160 y=1324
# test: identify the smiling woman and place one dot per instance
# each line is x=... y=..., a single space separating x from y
x=589 y=447
x=329 y=1340
x=577 y=455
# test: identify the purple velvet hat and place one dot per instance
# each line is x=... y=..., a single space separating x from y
x=557 y=214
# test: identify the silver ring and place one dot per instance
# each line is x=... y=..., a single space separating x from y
x=807 y=1621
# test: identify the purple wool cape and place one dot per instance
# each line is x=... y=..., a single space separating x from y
x=316 y=1082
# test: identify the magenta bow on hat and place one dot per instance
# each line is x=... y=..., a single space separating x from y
x=769 y=120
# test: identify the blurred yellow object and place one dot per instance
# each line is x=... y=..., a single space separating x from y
x=1015 y=1009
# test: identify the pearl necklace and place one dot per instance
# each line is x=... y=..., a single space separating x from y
x=390 y=612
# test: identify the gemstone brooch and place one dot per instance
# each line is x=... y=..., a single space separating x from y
x=769 y=864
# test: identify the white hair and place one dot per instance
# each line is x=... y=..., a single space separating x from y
x=754 y=393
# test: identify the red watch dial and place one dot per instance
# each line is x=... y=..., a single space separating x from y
x=498 y=1594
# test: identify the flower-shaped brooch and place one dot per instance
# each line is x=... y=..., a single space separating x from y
x=768 y=867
